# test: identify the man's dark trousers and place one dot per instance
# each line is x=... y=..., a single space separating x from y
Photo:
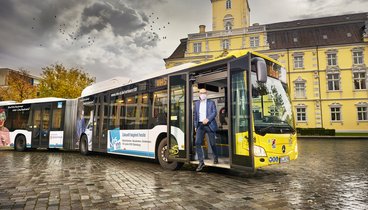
x=201 y=131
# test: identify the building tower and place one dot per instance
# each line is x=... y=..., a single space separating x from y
x=230 y=14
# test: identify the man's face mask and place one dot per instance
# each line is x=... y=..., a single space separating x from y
x=203 y=96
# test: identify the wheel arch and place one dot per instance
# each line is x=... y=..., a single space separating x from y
x=159 y=138
x=17 y=136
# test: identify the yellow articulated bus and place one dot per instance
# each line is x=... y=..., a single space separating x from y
x=153 y=117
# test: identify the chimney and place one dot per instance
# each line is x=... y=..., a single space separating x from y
x=202 y=29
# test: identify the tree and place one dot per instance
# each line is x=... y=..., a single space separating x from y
x=19 y=86
x=58 y=81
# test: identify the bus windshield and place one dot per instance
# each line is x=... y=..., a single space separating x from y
x=272 y=110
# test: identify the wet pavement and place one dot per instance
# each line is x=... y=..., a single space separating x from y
x=328 y=175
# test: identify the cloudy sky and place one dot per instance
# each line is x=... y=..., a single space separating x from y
x=126 y=38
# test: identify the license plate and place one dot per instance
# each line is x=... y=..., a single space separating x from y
x=284 y=159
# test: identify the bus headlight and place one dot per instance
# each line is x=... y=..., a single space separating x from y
x=259 y=151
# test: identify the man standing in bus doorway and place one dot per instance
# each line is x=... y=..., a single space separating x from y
x=205 y=122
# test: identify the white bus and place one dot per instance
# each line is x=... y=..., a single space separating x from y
x=38 y=123
x=153 y=117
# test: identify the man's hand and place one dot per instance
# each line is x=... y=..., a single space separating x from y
x=205 y=121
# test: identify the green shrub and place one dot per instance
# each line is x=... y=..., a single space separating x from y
x=315 y=132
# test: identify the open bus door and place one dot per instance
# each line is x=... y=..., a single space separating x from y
x=239 y=106
x=179 y=128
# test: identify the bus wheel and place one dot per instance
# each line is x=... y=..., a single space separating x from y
x=162 y=155
x=83 y=147
x=20 y=143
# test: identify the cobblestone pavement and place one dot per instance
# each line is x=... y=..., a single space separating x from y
x=327 y=175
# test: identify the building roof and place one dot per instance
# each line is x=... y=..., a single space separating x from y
x=313 y=22
x=179 y=51
x=344 y=29
x=17 y=71
x=316 y=36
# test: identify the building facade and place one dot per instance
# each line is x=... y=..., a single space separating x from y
x=7 y=74
x=326 y=60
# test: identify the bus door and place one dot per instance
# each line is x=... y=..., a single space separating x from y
x=179 y=118
x=99 y=137
x=41 y=125
x=240 y=125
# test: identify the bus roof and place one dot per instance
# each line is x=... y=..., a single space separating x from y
x=2 y=103
x=105 y=85
x=40 y=100
x=116 y=82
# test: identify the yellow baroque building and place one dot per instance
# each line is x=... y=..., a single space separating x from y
x=326 y=60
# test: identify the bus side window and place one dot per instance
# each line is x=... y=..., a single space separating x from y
x=159 y=108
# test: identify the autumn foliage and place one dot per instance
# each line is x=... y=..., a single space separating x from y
x=58 y=81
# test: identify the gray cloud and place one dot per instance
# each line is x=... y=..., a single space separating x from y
x=144 y=4
x=6 y=8
x=123 y=20
x=318 y=8
x=106 y=38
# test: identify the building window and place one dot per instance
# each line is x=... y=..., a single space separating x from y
x=228 y=4
x=333 y=80
x=298 y=62
x=225 y=44
x=362 y=113
x=300 y=90
x=360 y=80
x=301 y=114
x=228 y=26
x=358 y=58
x=197 y=47
x=254 y=41
x=332 y=59
x=335 y=113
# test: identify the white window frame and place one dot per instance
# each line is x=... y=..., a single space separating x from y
x=336 y=86
x=300 y=89
x=228 y=4
x=226 y=44
x=358 y=59
x=360 y=79
x=254 y=41
x=298 y=62
x=362 y=111
x=331 y=59
x=335 y=112
x=301 y=114
x=228 y=26
x=197 y=47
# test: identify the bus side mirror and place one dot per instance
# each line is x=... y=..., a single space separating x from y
x=260 y=67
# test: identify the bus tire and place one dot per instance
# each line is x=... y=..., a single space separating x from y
x=162 y=156
x=83 y=148
x=20 y=143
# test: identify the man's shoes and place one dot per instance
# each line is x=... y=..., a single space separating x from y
x=200 y=167
x=215 y=161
